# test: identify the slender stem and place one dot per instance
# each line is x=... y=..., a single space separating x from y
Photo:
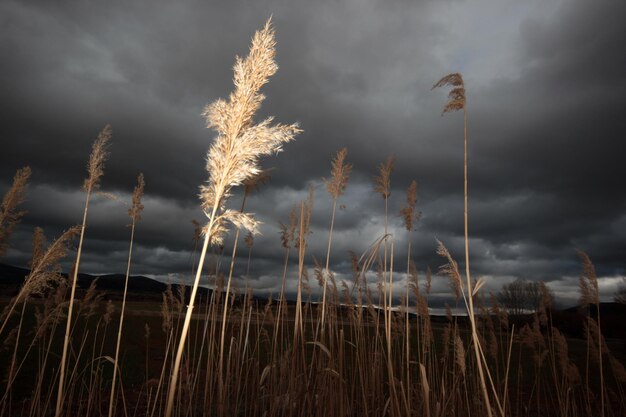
x=281 y=299
x=5 y=399
x=467 y=273
x=119 y=331
x=185 y=330
x=325 y=272
x=297 y=329
x=66 y=341
x=221 y=381
x=225 y=313
x=600 y=357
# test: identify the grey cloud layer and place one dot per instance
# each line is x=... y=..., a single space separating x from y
x=545 y=81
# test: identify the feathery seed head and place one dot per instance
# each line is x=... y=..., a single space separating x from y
x=305 y=221
x=450 y=269
x=135 y=210
x=456 y=97
x=233 y=156
x=45 y=268
x=39 y=241
x=409 y=215
x=382 y=182
x=413 y=277
x=9 y=216
x=589 y=293
x=340 y=172
x=99 y=154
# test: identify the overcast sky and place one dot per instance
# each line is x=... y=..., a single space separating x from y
x=546 y=91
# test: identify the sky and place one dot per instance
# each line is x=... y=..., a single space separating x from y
x=546 y=89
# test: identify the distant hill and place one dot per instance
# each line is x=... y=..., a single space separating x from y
x=139 y=287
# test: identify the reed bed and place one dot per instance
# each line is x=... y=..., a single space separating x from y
x=368 y=347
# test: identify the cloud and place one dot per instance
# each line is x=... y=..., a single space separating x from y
x=545 y=88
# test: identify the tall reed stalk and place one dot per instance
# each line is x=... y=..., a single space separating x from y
x=457 y=101
x=336 y=185
x=95 y=169
x=250 y=184
x=590 y=295
x=135 y=214
x=233 y=158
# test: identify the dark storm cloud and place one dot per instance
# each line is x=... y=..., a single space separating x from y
x=545 y=81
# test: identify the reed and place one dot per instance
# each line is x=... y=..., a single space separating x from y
x=457 y=101
x=233 y=158
x=10 y=216
x=245 y=356
x=336 y=185
x=590 y=295
x=95 y=169
x=135 y=215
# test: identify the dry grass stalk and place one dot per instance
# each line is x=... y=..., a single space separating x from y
x=45 y=268
x=135 y=214
x=9 y=215
x=233 y=157
x=301 y=244
x=410 y=216
x=336 y=185
x=45 y=274
x=590 y=294
x=457 y=101
x=95 y=170
x=249 y=242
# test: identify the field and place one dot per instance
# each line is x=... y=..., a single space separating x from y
x=348 y=374
x=366 y=347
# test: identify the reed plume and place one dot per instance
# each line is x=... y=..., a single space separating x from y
x=95 y=169
x=408 y=212
x=336 y=185
x=450 y=270
x=382 y=182
x=456 y=96
x=410 y=216
x=45 y=270
x=10 y=216
x=382 y=185
x=590 y=294
x=233 y=157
